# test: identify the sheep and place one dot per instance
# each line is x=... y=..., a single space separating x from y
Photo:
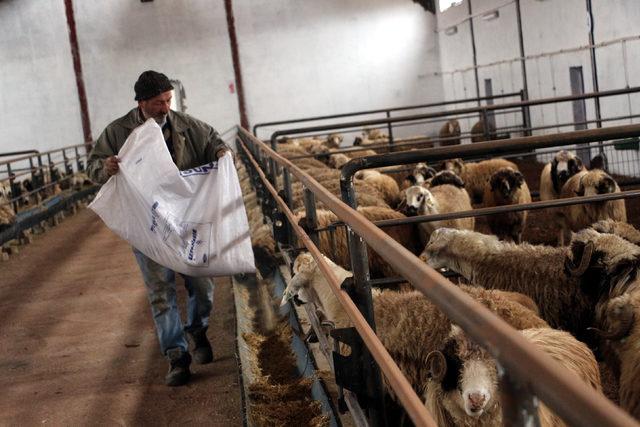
x=396 y=313
x=404 y=234
x=386 y=185
x=463 y=385
x=478 y=132
x=476 y=175
x=338 y=160
x=589 y=183
x=449 y=131
x=620 y=331
x=622 y=229
x=560 y=280
x=556 y=173
x=441 y=199
x=421 y=172
x=507 y=187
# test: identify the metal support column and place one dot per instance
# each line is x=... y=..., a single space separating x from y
x=594 y=67
x=473 y=47
x=525 y=86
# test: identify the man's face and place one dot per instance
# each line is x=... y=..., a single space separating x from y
x=156 y=107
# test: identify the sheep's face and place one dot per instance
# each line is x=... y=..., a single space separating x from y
x=419 y=201
x=357 y=141
x=454 y=127
x=596 y=182
x=505 y=183
x=563 y=166
x=446 y=177
x=334 y=140
x=297 y=289
x=421 y=173
x=434 y=252
x=454 y=165
x=5 y=192
x=467 y=376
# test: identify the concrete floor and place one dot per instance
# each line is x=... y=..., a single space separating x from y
x=79 y=346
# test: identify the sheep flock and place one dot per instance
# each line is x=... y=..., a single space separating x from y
x=576 y=299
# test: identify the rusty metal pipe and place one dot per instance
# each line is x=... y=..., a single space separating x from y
x=414 y=406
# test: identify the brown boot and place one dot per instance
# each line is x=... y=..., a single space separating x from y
x=202 y=352
x=179 y=372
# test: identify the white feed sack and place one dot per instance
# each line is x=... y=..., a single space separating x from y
x=192 y=221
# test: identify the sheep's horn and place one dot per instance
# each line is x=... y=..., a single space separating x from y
x=584 y=261
x=627 y=317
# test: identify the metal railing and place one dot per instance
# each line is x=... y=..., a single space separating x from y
x=526 y=368
x=386 y=111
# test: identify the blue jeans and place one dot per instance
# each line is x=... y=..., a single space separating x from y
x=161 y=291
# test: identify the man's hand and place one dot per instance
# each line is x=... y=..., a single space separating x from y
x=221 y=152
x=111 y=165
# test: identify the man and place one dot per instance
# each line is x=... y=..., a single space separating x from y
x=191 y=143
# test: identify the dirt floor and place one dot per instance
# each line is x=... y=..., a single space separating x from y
x=79 y=346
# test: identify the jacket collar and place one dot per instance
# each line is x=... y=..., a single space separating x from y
x=135 y=118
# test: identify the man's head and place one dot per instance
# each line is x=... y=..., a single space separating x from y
x=153 y=93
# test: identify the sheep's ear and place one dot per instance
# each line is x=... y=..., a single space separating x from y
x=437 y=365
x=357 y=141
x=495 y=180
x=519 y=177
x=580 y=191
x=576 y=165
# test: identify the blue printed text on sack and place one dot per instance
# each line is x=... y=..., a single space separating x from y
x=200 y=170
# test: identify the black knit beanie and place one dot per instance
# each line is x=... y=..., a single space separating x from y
x=150 y=84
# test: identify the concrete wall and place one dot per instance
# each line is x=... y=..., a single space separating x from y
x=548 y=26
x=38 y=98
x=299 y=58
x=307 y=58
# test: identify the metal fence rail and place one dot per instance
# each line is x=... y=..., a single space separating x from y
x=524 y=364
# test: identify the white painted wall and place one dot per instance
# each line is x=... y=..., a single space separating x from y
x=548 y=26
x=186 y=40
x=38 y=99
x=309 y=58
x=299 y=58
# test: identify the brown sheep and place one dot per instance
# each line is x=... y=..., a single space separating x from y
x=478 y=132
x=386 y=185
x=589 y=183
x=399 y=312
x=476 y=175
x=441 y=199
x=559 y=280
x=404 y=234
x=449 y=131
x=507 y=187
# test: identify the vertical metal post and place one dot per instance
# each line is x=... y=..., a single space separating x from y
x=390 y=129
x=364 y=302
x=78 y=167
x=475 y=59
x=77 y=68
x=519 y=406
x=594 y=67
x=310 y=213
x=526 y=116
x=237 y=69
x=288 y=193
x=485 y=128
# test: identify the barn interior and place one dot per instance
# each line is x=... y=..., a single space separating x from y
x=440 y=199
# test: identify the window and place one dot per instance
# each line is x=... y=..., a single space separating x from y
x=446 y=4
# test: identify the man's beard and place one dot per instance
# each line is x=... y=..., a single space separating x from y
x=161 y=120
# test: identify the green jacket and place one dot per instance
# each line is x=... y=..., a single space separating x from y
x=195 y=143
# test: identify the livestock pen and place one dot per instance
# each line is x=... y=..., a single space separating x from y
x=359 y=266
